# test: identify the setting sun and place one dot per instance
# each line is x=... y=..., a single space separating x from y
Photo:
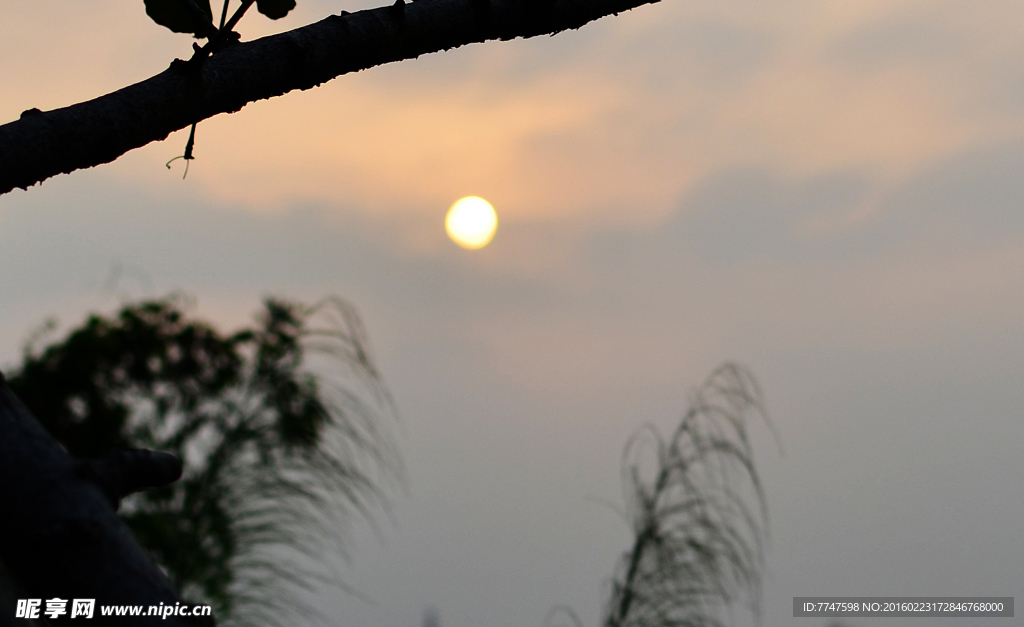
x=471 y=222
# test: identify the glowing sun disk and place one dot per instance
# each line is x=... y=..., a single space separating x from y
x=471 y=222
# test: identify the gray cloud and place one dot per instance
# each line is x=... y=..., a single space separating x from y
x=980 y=190
x=725 y=51
x=739 y=215
x=519 y=382
x=877 y=46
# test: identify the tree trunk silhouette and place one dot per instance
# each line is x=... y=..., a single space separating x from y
x=59 y=535
x=42 y=144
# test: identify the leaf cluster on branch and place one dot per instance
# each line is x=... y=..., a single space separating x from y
x=196 y=16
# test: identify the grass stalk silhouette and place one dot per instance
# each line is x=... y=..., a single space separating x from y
x=698 y=514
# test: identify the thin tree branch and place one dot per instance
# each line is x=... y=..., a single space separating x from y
x=42 y=144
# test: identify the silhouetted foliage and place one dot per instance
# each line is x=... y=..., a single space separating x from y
x=196 y=16
x=277 y=441
x=698 y=546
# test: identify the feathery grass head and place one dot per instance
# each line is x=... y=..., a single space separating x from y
x=698 y=545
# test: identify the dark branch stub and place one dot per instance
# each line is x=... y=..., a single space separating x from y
x=129 y=472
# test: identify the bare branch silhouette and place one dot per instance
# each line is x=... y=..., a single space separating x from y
x=43 y=144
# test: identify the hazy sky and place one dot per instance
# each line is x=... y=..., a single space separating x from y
x=831 y=193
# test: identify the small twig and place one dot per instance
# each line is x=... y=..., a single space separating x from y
x=223 y=15
x=224 y=34
x=239 y=13
x=189 y=145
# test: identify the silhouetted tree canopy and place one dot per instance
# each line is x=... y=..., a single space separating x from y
x=277 y=447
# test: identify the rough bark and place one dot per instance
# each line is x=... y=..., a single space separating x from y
x=59 y=535
x=42 y=144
